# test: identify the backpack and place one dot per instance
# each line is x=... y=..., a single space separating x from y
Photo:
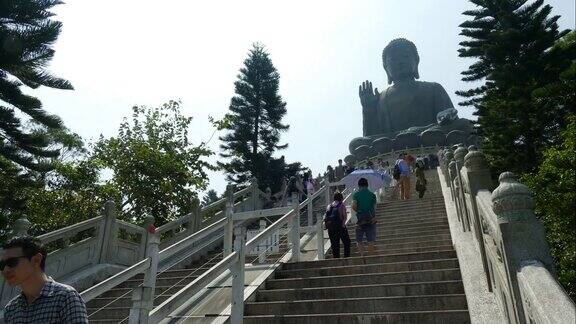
x=332 y=217
x=396 y=173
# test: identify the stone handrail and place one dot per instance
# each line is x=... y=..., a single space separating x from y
x=393 y=155
x=130 y=228
x=543 y=299
x=512 y=245
x=70 y=231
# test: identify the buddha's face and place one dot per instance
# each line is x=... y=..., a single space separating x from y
x=401 y=63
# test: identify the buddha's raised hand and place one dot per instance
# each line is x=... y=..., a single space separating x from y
x=368 y=97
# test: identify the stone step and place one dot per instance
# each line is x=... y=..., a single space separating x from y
x=411 y=208
x=409 y=223
x=373 y=259
x=363 y=291
x=415 y=223
x=383 y=230
x=380 y=235
x=408 y=239
x=398 y=216
x=366 y=279
x=380 y=248
x=413 y=202
x=354 y=251
x=368 y=268
x=429 y=317
x=373 y=304
x=392 y=218
x=393 y=246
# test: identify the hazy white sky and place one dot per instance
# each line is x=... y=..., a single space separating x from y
x=121 y=53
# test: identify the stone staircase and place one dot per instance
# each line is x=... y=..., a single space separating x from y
x=413 y=276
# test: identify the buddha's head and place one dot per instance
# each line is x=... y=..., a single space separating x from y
x=400 y=59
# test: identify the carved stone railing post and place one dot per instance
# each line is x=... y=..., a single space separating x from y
x=255 y=194
x=459 y=155
x=320 y=236
x=143 y=296
x=523 y=237
x=327 y=196
x=150 y=228
x=262 y=254
x=310 y=211
x=295 y=229
x=237 y=271
x=446 y=158
x=21 y=227
x=229 y=227
x=477 y=175
x=108 y=235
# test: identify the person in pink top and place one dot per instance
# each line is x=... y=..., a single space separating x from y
x=335 y=222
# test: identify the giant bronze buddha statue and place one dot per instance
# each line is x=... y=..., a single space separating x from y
x=409 y=113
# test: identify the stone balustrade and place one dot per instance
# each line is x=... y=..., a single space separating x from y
x=90 y=251
x=513 y=248
x=392 y=155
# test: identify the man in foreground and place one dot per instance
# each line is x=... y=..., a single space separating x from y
x=42 y=300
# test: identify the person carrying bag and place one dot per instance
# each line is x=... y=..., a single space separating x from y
x=335 y=223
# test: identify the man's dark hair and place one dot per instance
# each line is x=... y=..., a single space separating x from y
x=362 y=182
x=338 y=196
x=30 y=247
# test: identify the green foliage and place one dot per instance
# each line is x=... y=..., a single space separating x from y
x=210 y=197
x=554 y=188
x=520 y=60
x=23 y=187
x=27 y=35
x=73 y=193
x=155 y=168
x=255 y=120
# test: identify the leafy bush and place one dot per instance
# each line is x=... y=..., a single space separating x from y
x=554 y=188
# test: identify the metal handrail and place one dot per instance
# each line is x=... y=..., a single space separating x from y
x=115 y=280
x=165 y=308
x=189 y=240
x=262 y=236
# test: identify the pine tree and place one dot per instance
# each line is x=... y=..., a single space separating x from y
x=512 y=42
x=256 y=112
x=26 y=38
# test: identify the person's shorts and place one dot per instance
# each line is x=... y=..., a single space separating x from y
x=368 y=230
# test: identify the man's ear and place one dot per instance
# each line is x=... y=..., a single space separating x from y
x=36 y=260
